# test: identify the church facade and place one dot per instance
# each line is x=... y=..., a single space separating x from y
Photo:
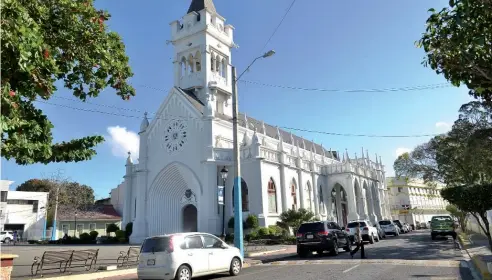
x=174 y=185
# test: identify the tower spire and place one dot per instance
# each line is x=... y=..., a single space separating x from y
x=198 y=5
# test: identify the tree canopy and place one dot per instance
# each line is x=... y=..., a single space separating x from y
x=293 y=219
x=461 y=156
x=45 y=42
x=70 y=193
x=458 y=44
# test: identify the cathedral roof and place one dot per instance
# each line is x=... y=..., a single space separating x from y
x=198 y=5
x=270 y=130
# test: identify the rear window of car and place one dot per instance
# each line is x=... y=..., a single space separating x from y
x=442 y=219
x=311 y=227
x=397 y=222
x=155 y=244
x=354 y=224
x=385 y=223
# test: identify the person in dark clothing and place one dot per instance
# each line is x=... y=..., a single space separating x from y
x=360 y=244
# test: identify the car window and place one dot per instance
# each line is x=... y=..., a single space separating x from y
x=3 y=232
x=311 y=227
x=211 y=242
x=332 y=226
x=193 y=242
x=156 y=244
x=385 y=223
x=441 y=219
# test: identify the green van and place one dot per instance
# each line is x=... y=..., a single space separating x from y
x=442 y=226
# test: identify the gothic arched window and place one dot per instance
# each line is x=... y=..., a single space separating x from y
x=198 y=61
x=212 y=62
x=190 y=63
x=310 y=199
x=272 y=197
x=217 y=64
x=183 y=67
x=293 y=194
x=321 y=200
x=224 y=68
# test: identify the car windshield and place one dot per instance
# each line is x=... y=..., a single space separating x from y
x=354 y=224
x=441 y=219
x=397 y=222
x=156 y=244
x=311 y=227
x=385 y=223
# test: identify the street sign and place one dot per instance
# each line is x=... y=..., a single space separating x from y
x=220 y=195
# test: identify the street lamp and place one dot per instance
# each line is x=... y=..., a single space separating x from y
x=223 y=173
x=75 y=229
x=45 y=221
x=238 y=211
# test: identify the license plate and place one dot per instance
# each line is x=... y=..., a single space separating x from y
x=309 y=236
x=150 y=262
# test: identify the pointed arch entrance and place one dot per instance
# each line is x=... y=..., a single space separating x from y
x=339 y=204
x=190 y=218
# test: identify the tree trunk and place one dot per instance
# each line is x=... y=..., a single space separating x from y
x=487 y=228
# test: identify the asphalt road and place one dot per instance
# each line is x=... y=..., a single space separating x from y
x=409 y=256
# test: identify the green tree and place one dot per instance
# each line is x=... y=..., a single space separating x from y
x=70 y=193
x=112 y=228
x=475 y=199
x=44 y=42
x=460 y=215
x=457 y=42
x=292 y=219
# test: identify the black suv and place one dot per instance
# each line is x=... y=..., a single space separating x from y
x=321 y=236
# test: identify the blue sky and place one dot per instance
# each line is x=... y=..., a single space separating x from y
x=321 y=44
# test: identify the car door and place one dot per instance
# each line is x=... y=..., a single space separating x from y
x=218 y=257
x=196 y=256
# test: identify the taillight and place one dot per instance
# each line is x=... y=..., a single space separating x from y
x=323 y=233
x=365 y=228
x=171 y=245
x=347 y=230
x=299 y=235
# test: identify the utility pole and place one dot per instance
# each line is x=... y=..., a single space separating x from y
x=54 y=231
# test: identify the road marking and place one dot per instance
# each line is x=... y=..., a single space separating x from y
x=433 y=263
x=353 y=267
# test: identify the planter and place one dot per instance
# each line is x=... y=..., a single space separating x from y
x=7 y=263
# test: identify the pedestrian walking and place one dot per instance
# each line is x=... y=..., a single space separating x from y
x=15 y=237
x=360 y=243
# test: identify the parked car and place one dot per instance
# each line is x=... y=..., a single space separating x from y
x=407 y=227
x=381 y=232
x=6 y=236
x=400 y=225
x=369 y=233
x=321 y=236
x=389 y=227
x=186 y=255
x=442 y=226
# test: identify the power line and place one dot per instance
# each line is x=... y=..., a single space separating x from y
x=283 y=127
x=278 y=26
x=376 y=90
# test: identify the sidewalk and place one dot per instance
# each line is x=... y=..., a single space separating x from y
x=477 y=247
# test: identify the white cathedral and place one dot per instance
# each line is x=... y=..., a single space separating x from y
x=174 y=185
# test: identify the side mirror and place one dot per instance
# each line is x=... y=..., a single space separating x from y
x=223 y=246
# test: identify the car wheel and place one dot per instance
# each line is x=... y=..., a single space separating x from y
x=235 y=267
x=348 y=247
x=371 y=239
x=319 y=252
x=184 y=273
x=6 y=240
x=334 y=251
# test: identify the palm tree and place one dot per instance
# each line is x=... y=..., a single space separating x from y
x=292 y=219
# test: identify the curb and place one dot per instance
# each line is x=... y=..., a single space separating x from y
x=476 y=260
x=97 y=275
x=247 y=255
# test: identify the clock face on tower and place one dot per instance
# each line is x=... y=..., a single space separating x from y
x=175 y=136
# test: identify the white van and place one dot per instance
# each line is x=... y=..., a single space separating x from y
x=186 y=255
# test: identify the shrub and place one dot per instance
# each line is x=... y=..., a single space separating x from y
x=94 y=234
x=252 y=235
x=251 y=222
x=229 y=238
x=230 y=224
x=120 y=234
x=263 y=231
x=275 y=230
x=85 y=237
x=129 y=229
x=112 y=228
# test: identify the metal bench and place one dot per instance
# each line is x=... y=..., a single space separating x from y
x=52 y=260
x=128 y=257
x=64 y=260
x=84 y=258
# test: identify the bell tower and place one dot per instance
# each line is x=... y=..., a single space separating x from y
x=202 y=55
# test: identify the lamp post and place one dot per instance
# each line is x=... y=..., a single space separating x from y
x=238 y=211
x=75 y=229
x=45 y=221
x=223 y=173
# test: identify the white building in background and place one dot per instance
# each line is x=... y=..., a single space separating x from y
x=173 y=188
x=411 y=200
x=24 y=212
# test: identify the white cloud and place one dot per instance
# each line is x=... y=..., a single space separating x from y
x=400 y=151
x=443 y=126
x=123 y=141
